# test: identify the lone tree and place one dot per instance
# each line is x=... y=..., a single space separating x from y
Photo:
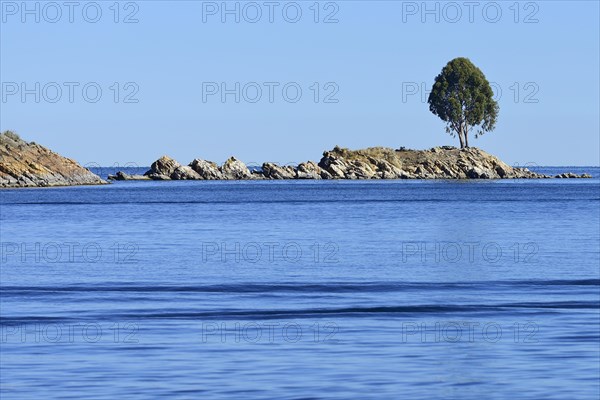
x=463 y=98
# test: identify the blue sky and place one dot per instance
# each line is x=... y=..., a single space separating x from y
x=157 y=77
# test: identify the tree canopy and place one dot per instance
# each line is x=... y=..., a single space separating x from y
x=463 y=98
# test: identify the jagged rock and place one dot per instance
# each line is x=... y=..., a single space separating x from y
x=385 y=170
x=335 y=167
x=325 y=175
x=24 y=164
x=185 y=173
x=310 y=170
x=477 y=173
x=361 y=170
x=235 y=169
x=274 y=171
x=166 y=168
x=206 y=169
x=501 y=171
x=257 y=175
x=163 y=168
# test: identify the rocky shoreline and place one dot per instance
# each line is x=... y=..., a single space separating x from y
x=27 y=164
x=373 y=163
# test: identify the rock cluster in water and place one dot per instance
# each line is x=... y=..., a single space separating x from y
x=24 y=164
x=372 y=163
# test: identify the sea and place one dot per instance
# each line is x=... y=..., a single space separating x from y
x=399 y=289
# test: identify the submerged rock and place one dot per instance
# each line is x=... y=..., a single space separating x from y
x=570 y=175
x=122 y=176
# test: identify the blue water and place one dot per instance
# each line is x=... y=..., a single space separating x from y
x=302 y=289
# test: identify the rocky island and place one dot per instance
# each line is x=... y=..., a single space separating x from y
x=373 y=163
x=27 y=164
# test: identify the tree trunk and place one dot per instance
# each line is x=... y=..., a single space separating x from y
x=460 y=136
x=466 y=136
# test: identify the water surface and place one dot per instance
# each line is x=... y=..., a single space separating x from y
x=302 y=289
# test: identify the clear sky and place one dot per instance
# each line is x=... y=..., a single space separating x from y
x=163 y=65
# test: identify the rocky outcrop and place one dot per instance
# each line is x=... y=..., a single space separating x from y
x=184 y=173
x=570 y=175
x=206 y=169
x=235 y=169
x=162 y=169
x=122 y=176
x=165 y=168
x=373 y=163
x=305 y=170
x=437 y=163
x=274 y=171
x=310 y=170
x=24 y=164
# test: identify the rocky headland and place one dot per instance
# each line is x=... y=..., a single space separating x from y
x=27 y=164
x=373 y=163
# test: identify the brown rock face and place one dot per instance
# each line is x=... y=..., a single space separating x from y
x=185 y=173
x=274 y=171
x=24 y=164
x=163 y=168
x=437 y=163
x=206 y=169
x=235 y=169
x=310 y=170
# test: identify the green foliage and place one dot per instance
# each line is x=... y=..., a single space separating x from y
x=12 y=135
x=463 y=98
